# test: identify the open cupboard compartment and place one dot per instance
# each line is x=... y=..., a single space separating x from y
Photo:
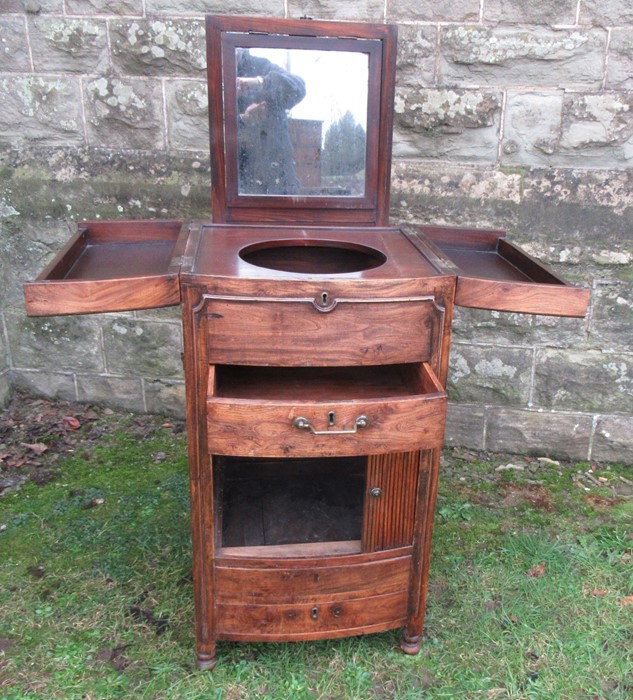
x=292 y=507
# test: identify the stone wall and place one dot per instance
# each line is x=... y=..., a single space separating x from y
x=509 y=114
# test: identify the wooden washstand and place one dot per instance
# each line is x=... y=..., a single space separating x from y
x=316 y=343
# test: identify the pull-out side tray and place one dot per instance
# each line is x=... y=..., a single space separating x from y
x=111 y=266
x=492 y=273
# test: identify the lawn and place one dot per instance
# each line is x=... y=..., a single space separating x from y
x=531 y=590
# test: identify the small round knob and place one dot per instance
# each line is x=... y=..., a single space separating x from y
x=301 y=423
x=362 y=422
x=375 y=492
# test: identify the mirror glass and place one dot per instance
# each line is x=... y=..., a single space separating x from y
x=301 y=121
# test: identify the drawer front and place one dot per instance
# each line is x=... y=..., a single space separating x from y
x=301 y=332
x=314 y=620
x=300 y=429
x=281 y=584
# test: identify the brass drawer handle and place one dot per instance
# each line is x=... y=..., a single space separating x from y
x=302 y=423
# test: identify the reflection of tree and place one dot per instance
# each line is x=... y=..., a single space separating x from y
x=343 y=147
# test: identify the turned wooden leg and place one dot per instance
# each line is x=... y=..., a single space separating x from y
x=206 y=662
x=410 y=645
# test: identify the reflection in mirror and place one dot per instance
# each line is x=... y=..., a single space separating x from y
x=302 y=121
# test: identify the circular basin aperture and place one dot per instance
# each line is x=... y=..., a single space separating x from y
x=312 y=257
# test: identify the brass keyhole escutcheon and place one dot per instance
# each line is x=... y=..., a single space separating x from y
x=314 y=613
x=331 y=418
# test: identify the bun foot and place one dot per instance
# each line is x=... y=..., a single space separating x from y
x=206 y=662
x=410 y=645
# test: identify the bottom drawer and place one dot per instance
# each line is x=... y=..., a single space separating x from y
x=298 y=599
x=247 y=622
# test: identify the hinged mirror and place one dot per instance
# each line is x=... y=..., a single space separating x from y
x=301 y=117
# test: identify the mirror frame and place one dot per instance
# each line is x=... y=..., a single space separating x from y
x=223 y=35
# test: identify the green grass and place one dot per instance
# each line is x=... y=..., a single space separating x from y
x=96 y=599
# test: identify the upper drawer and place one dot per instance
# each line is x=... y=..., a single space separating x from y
x=324 y=411
x=111 y=266
x=492 y=273
x=322 y=331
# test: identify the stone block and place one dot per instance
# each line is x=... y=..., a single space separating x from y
x=620 y=67
x=187 y=114
x=415 y=63
x=166 y=314
x=598 y=196
x=551 y=214
x=447 y=124
x=64 y=45
x=119 y=392
x=433 y=10
x=39 y=108
x=360 y=10
x=558 y=235
x=597 y=130
x=136 y=348
x=569 y=58
x=490 y=375
x=531 y=132
x=584 y=380
x=267 y=8
x=105 y=7
x=47 y=184
x=165 y=396
x=613 y=439
x=55 y=386
x=54 y=343
x=35 y=7
x=557 y=331
x=538 y=433
x=465 y=425
x=14 y=49
x=158 y=46
x=563 y=208
x=457 y=195
x=125 y=113
x=606 y=13
x=26 y=248
x=612 y=312
x=453 y=211
x=550 y=12
x=480 y=326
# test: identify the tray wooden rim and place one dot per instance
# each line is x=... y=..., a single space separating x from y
x=550 y=295
x=52 y=294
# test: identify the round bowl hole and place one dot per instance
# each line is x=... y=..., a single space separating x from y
x=312 y=257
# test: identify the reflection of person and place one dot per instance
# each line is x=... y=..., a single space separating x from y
x=265 y=155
